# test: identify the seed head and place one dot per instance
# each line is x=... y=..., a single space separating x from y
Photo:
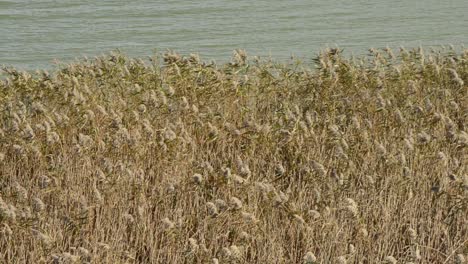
x=341 y=260
x=442 y=157
x=344 y=144
x=363 y=232
x=381 y=150
x=197 y=178
x=28 y=132
x=249 y=218
x=185 y=103
x=170 y=90
x=238 y=179
x=401 y=158
x=75 y=81
x=423 y=137
x=409 y=144
x=6 y=212
x=21 y=192
x=14 y=126
x=169 y=135
x=351 y=249
x=212 y=209
x=309 y=119
x=309 y=258
x=412 y=234
x=226 y=252
x=236 y=203
x=299 y=219
x=52 y=138
x=193 y=245
x=280 y=170
x=44 y=238
x=38 y=205
x=399 y=116
x=69 y=258
x=6 y=230
x=213 y=131
x=416 y=253
x=38 y=108
x=85 y=140
x=89 y=115
x=314 y=214
x=136 y=88
x=195 y=109
x=103 y=246
x=356 y=123
x=167 y=224
x=462 y=138
x=340 y=153
x=304 y=127
x=83 y=252
x=227 y=174
x=454 y=106
x=235 y=251
x=128 y=218
x=460 y=259
x=390 y=260
x=352 y=206
x=44 y=181
x=207 y=166
x=97 y=195
x=381 y=103
x=412 y=88
x=245 y=171
x=334 y=131
x=221 y=204
x=142 y=108
x=319 y=168
x=454 y=73
x=244 y=236
x=280 y=198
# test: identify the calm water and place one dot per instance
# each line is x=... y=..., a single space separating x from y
x=34 y=32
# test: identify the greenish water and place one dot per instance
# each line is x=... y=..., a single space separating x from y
x=35 y=32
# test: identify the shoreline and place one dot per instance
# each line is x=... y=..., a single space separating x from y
x=54 y=63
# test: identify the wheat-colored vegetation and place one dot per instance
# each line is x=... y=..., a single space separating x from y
x=357 y=160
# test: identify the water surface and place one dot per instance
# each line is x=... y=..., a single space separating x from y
x=35 y=32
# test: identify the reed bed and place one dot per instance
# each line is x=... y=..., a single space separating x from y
x=176 y=160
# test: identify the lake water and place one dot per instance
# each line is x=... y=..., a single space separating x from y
x=35 y=32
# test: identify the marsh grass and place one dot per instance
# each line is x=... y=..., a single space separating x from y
x=117 y=160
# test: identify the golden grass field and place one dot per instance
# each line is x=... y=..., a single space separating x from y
x=175 y=160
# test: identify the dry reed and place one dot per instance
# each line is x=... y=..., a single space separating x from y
x=117 y=160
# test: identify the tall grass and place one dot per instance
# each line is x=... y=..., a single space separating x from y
x=117 y=160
